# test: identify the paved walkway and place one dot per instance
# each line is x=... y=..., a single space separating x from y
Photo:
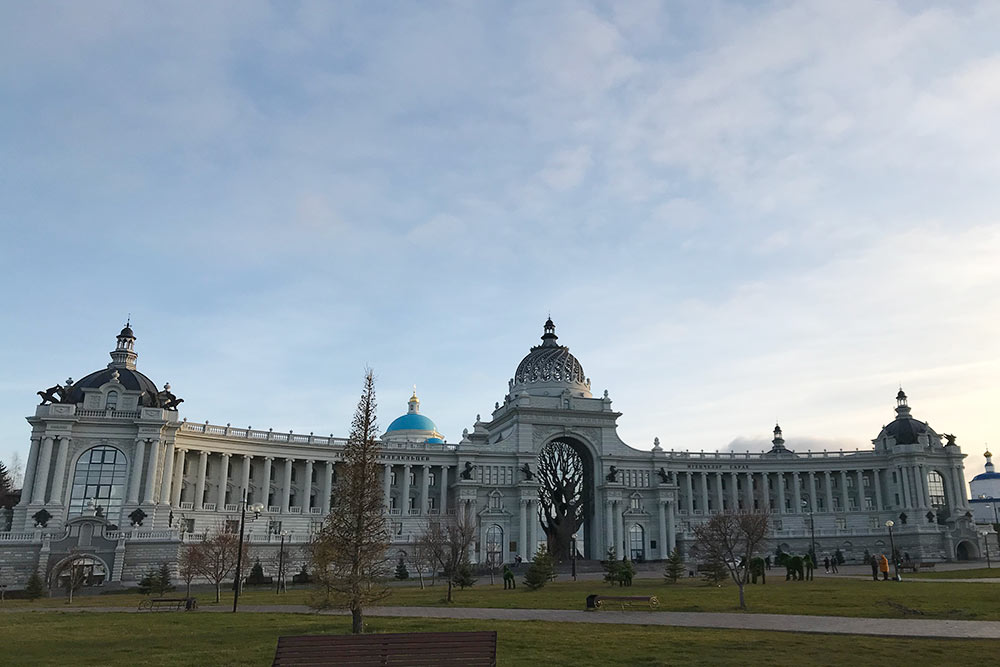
x=889 y=627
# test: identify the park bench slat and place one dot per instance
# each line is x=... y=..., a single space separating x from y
x=406 y=648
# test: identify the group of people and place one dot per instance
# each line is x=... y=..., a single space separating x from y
x=830 y=565
x=880 y=564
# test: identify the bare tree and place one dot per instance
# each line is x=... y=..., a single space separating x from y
x=189 y=564
x=215 y=557
x=75 y=574
x=421 y=559
x=447 y=541
x=560 y=496
x=349 y=553
x=733 y=538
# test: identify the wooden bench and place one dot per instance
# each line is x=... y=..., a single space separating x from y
x=475 y=649
x=595 y=601
x=168 y=604
x=915 y=566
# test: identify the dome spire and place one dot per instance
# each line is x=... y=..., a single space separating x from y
x=778 y=444
x=902 y=407
x=549 y=338
x=413 y=406
x=989 y=460
x=124 y=356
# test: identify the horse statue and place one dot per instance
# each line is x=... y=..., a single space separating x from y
x=56 y=394
x=612 y=475
x=526 y=469
x=757 y=567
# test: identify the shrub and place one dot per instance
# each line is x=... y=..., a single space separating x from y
x=35 y=588
x=462 y=576
x=612 y=568
x=401 y=571
x=675 y=567
x=541 y=571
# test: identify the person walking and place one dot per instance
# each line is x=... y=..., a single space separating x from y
x=833 y=565
x=883 y=566
x=873 y=561
x=508 y=579
x=826 y=564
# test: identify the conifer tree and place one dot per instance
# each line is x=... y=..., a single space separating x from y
x=401 y=571
x=675 y=567
x=541 y=570
x=35 y=588
x=612 y=567
x=350 y=551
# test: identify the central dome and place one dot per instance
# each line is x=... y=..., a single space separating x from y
x=551 y=364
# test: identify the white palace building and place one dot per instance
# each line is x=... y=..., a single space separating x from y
x=115 y=473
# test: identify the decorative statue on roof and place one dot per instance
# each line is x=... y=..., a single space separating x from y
x=166 y=400
x=950 y=438
x=528 y=475
x=612 y=475
x=664 y=476
x=467 y=473
x=56 y=394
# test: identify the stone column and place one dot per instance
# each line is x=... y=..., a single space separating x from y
x=734 y=491
x=796 y=493
x=829 y=490
x=748 y=491
x=620 y=527
x=151 y=462
x=533 y=519
x=718 y=492
x=425 y=484
x=444 y=490
x=781 y=493
x=245 y=481
x=387 y=486
x=286 y=488
x=813 y=506
x=42 y=471
x=306 y=502
x=29 y=472
x=845 y=500
x=220 y=499
x=327 y=489
x=860 y=474
x=765 y=491
x=405 y=508
x=199 y=488
x=907 y=498
x=178 y=486
x=956 y=484
x=925 y=487
x=59 y=474
x=704 y=493
x=671 y=530
x=664 y=541
x=168 y=474
x=522 y=545
x=265 y=484
x=963 y=487
x=877 y=483
x=689 y=493
x=609 y=526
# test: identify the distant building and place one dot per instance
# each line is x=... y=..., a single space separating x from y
x=116 y=475
x=985 y=489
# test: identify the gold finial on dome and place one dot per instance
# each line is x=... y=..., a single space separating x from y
x=987 y=454
x=414 y=396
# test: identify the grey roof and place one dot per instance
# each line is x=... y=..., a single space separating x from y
x=129 y=379
x=906 y=430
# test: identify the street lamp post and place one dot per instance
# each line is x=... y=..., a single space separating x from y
x=573 y=555
x=256 y=509
x=281 y=563
x=996 y=524
x=892 y=549
x=986 y=537
x=812 y=531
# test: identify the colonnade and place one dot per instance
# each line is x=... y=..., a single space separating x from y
x=423 y=503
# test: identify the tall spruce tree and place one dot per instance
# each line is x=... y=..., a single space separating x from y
x=675 y=567
x=349 y=554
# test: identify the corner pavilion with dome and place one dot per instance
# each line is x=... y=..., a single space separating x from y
x=116 y=474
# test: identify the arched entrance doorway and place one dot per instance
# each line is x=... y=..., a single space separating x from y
x=966 y=551
x=566 y=494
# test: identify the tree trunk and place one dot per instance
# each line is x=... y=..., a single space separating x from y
x=743 y=602
x=188 y=594
x=420 y=576
x=357 y=621
x=449 y=589
x=218 y=591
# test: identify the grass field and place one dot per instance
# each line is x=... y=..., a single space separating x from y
x=55 y=638
x=826 y=596
x=978 y=573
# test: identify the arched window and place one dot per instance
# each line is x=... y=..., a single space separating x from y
x=637 y=542
x=112 y=401
x=494 y=545
x=99 y=476
x=935 y=488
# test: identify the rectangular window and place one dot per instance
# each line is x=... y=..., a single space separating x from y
x=637 y=503
x=853 y=504
x=841 y=523
x=392 y=478
x=432 y=479
x=850 y=482
x=413 y=479
x=187 y=525
x=873 y=522
x=820 y=504
x=430 y=503
x=869 y=503
x=867 y=481
x=232 y=526
x=397 y=529
x=274 y=527
x=897 y=500
x=777 y=524
x=836 y=503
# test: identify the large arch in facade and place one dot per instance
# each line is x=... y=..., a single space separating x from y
x=586 y=543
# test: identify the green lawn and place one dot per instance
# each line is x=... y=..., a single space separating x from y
x=826 y=596
x=54 y=638
x=978 y=573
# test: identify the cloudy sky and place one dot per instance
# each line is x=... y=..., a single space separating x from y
x=735 y=212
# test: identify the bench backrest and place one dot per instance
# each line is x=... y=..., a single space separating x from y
x=474 y=649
